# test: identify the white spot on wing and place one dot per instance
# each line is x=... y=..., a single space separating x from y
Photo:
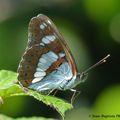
x=39 y=74
x=42 y=26
x=44 y=63
x=42 y=60
x=51 y=37
x=43 y=66
x=39 y=70
x=61 y=54
x=48 y=39
x=36 y=79
x=42 y=44
x=48 y=58
x=45 y=40
x=45 y=24
x=52 y=55
x=49 y=22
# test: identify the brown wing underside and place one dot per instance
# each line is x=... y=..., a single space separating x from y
x=34 y=51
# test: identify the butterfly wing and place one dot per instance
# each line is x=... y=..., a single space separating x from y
x=47 y=60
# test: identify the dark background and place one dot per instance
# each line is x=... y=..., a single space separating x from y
x=91 y=29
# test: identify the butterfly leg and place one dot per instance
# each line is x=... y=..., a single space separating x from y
x=73 y=96
x=55 y=92
x=50 y=91
x=23 y=88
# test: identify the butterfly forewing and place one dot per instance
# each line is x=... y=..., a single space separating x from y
x=46 y=53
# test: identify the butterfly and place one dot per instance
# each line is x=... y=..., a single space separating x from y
x=47 y=63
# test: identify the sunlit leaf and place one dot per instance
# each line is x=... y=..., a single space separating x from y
x=8 y=87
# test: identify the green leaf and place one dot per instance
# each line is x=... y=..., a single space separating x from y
x=9 y=88
x=4 y=117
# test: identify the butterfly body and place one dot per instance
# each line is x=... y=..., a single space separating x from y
x=47 y=63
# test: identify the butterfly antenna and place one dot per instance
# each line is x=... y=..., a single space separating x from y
x=97 y=64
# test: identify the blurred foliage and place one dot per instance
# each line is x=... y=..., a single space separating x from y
x=77 y=114
x=108 y=103
x=102 y=10
x=90 y=27
x=3 y=117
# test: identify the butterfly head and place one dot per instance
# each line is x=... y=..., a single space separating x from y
x=82 y=76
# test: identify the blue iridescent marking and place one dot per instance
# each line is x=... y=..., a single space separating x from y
x=55 y=80
x=42 y=26
x=45 y=40
x=48 y=39
x=39 y=74
x=61 y=54
x=44 y=63
x=36 y=79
